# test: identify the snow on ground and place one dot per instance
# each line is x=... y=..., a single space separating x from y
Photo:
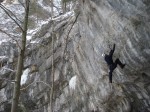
x=73 y=82
x=24 y=76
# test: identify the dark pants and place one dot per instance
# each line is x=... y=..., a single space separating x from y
x=112 y=68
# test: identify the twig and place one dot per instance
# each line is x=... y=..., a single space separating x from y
x=73 y=24
x=7 y=12
x=70 y=31
x=7 y=80
x=9 y=69
x=9 y=35
x=33 y=83
x=53 y=76
x=21 y=3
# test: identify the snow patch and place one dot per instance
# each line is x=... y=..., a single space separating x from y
x=3 y=57
x=4 y=40
x=35 y=41
x=29 y=37
x=24 y=76
x=38 y=28
x=47 y=8
x=73 y=82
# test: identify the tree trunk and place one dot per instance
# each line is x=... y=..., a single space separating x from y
x=52 y=9
x=52 y=87
x=16 y=92
x=63 y=6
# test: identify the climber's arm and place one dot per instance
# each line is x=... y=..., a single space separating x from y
x=112 y=51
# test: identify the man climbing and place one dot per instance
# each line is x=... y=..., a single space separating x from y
x=112 y=65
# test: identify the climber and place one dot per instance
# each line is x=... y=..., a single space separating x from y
x=112 y=65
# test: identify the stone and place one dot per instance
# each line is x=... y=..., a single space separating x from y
x=78 y=45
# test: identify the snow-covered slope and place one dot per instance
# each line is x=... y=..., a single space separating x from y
x=8 y=26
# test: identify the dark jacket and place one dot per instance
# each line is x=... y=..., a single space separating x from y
x=108 y=58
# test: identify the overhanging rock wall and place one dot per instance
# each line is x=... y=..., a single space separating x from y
x=101 y=24
x=81 y=74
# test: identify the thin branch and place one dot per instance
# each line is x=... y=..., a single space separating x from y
x=69 y=33
x=7 y=12
x=7 y=80
x=73 y=24
x=56 y=7
x=21 y=3
x=34 y=83
x=9 y=69
x=11 y=36
x=52 y=4
x=53 y=76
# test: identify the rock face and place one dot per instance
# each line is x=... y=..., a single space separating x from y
x=81 y=74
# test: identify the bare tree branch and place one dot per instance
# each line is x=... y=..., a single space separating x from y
x=8 y=80
x=53 y=76
x=16 y=92
x=11 y=36
x=73 y=24
x=21 y=3
x=69 y=33
x=7 y=12
x=34 y=83
x=52 y=5
x=9 y=69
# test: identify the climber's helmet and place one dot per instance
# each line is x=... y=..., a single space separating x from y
x=103 y=54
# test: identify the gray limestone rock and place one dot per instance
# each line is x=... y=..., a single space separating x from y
x=78 y=45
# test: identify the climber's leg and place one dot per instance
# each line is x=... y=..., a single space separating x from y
x=110 y=76
x=119 y=63
x=111 y=69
